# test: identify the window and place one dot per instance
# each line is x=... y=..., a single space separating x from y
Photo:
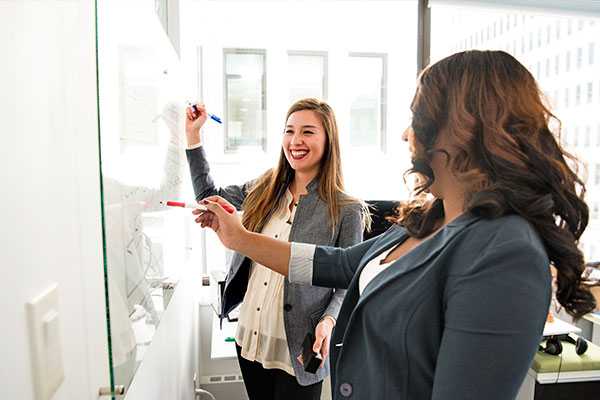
x=307 y=75
x=368 y=99
x=573 y=86
x=245 y=98
x=587 y=138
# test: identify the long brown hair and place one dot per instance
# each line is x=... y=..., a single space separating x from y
x=491 y=108
x=267 y=191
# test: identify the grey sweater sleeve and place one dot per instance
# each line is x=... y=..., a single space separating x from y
x=204 y=185
x=351 y=232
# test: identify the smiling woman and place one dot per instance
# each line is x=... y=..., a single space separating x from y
x=302 y=199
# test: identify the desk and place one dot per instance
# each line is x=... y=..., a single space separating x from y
x=566 y=376
x=219 y=348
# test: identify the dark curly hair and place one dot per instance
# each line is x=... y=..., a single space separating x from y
x=492 y=110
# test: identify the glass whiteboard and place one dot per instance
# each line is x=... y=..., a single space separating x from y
x=142 y=163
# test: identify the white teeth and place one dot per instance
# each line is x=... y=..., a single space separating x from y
x=298 y=153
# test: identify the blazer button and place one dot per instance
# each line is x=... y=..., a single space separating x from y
x=287 y=307
x=346 y=389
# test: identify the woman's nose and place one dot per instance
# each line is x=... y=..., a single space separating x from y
x=405 y=134
x=296 y=139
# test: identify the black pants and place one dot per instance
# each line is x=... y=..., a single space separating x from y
x=274 y=384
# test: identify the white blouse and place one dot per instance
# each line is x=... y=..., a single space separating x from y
x=261 y=330
x=372 y=269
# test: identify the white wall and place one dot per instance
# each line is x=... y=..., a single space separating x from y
x=50 y=204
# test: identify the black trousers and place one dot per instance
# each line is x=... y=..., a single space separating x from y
x=274 y=384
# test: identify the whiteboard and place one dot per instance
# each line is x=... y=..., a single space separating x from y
x=142 y=163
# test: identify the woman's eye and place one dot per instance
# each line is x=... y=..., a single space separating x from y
x=289 y=132
x=308 y=132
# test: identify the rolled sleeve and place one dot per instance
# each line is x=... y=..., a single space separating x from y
x=194 y=146
x=301 y=263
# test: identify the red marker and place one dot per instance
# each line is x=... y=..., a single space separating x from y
x=227 y=208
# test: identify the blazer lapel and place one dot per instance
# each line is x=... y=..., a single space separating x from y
x=415 y=258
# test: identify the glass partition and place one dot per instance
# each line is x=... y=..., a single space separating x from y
x=142 y=164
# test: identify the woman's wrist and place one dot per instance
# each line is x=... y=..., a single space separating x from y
x=193 y=138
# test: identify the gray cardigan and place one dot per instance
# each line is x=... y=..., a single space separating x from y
x=458 y=317
x=304 y=305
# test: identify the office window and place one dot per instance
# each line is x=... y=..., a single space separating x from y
x=537 y=70
x=597 y=177
x=307 y=75
x=590 y=92
x=530 y=41
x=557 y=29
x=576 y=137
x=566 y=97
x=557 y=65
x=548 y=33
x=577 y=95
x=245 y=98
x=569 y=26
x=568 y=62
x=579 y=57
x=539 y=38
x=368 y=92
x=547 y=67
x=591 y=53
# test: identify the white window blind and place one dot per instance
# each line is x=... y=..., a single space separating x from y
x=582 y=8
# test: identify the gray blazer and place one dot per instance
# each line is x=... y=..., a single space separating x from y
x=304 y=305
x=458 y=317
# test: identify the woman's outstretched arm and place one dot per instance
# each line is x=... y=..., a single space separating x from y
x=270 y=252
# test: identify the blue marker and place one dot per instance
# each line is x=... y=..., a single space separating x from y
x=213 y=117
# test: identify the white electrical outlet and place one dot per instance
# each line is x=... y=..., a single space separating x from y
x=44 y=335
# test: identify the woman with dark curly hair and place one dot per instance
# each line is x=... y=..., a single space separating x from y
x=450 y=302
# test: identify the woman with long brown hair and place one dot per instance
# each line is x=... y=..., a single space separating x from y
x=450 y=303
x=301 y=199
